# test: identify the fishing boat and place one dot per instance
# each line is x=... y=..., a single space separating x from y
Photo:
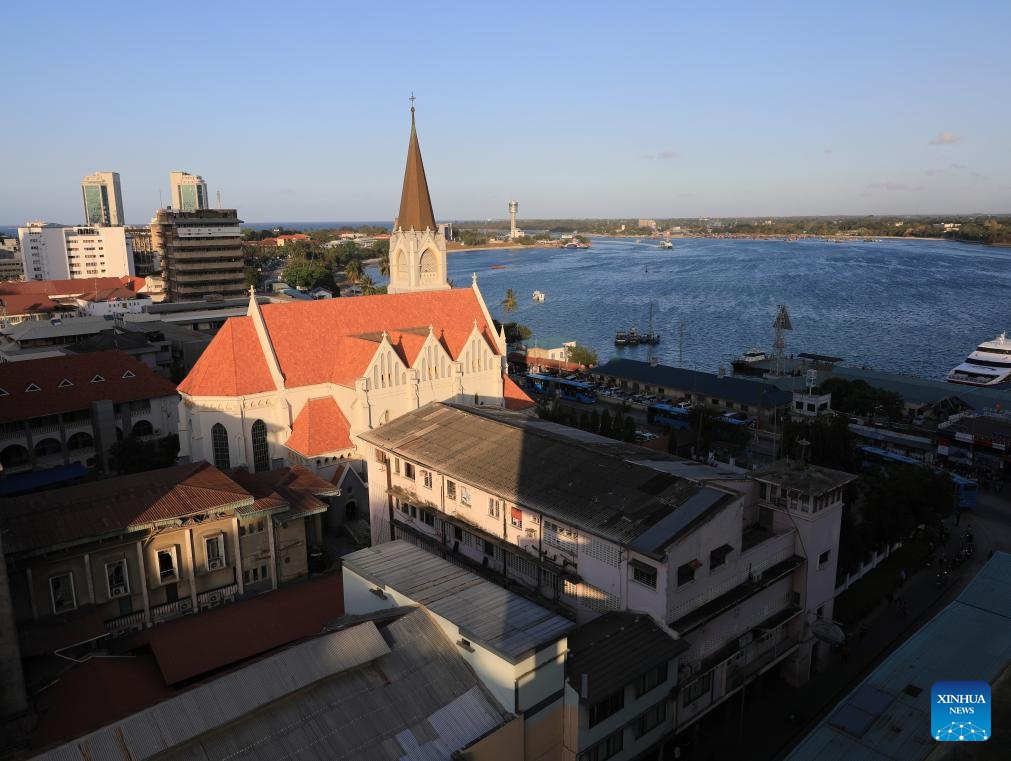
x=666 y=244
x=539 y=296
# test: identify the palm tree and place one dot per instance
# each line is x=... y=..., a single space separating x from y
x=368 y=285
x=384 y=264
x=509 y=302
x=353 y=270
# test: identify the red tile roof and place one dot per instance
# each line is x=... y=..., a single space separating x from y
x=31 y=303
x=232 y=364
x=515 y=397
x=320 y=428
x=197 y=645
x=125 y=380
x=115 y=505
x=295 y=488
x=333 y=340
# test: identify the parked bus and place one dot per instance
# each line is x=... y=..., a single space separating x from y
x=668 y=415
x=966 y=489
x=570 y=390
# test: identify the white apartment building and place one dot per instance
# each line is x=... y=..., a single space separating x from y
x=739 y=566
x=55 y=252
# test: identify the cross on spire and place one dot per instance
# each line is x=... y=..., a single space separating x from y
x=412 y=99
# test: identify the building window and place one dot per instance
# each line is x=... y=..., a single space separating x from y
x=606 y=748
x=465 y=496
x=494 y=507
x=607 y=707
x=426 y=478
x=696 y=689
x=117 y=579
x=651 y=718
x=489 y=549
x=261 y=456
x=428 y=517
x=450 y=489
x=214 y=549
x=562 y=538
x=651 y=679
x=719 y=556
x=457 y=533
x=516 y=517
x=61 y=589
x=167 y=568
x=396 y=465
x=686 y=572
x=644 y=574
x=823 y=558
x=219 y=443
x=253 y=527
x=409 y=470
x=254 y=575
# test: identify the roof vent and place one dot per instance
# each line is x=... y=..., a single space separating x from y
x=65 y=383
x=129 y=374
x=97 y=378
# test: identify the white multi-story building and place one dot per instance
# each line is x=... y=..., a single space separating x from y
x=55 y=252
x=189 y=191
x=738 y=565
x=103 y=199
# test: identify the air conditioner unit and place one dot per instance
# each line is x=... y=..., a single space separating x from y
x=118 y=590
x=213 y=599
x=185 y=605
x=215 y=563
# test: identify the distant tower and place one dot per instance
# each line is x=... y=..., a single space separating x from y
x=103 y=199
x=513 y=232
x=781 y=324
x=417 y=244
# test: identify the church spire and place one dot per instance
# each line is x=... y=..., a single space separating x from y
x=415 y=203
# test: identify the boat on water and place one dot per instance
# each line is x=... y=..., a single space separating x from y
x=988 y=365
x=666 y=244
x=746 y=363
x=539 y=296
x=621 y=338
x=498 y=266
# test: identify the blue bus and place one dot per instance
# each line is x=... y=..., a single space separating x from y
x=668 y=415
x=570 y=390
x=966 y=489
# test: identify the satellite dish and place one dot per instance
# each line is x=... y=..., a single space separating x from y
x=826 y=631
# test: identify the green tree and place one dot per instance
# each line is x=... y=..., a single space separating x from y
x=303 y=273
x=353 y=270
x=628 y=429
x=384 y=264
x=582 y=355
x=605 y=423
x=368 y=285
x=252 y=275
x=509 y=302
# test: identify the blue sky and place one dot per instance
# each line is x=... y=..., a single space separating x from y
x=299 y=110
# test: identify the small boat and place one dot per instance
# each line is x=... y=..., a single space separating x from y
x=633 y=337
x=621 y=338
x=666 y=244
x=988 y=365
x=539 y=296
x=498 y=266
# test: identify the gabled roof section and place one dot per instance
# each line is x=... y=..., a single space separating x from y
x=515 y=397
x=116 y=505
x=320 y=428
x=415 y=203
x=53 y=385
x=232 y=364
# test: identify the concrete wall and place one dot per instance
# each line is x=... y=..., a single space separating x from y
x=506 y=742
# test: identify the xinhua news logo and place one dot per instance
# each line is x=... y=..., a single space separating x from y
x=960 y=711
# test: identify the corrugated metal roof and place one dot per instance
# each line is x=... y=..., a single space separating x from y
x=752 y=392
x=617 y=649
x=587 y=483
x=487 y=614
x=969 y=640
x=418 y=701
x=184 y=718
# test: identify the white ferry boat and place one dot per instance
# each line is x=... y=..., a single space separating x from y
x=666 y=244
x=988 y=365
x=539 y=296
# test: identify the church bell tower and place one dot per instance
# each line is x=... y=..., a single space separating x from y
x=417 y=245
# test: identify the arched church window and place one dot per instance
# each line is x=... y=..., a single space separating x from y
x=261 y=456
x=219 y=445
x=402 y=264
x=428 y=265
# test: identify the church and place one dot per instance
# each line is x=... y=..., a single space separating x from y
x=297 y=383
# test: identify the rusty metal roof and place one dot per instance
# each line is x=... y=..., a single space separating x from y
x=415 y=203
x=85 y=512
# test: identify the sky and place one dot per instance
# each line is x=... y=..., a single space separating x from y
x=299 y=111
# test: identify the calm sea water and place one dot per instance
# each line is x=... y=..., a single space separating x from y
x=915 y=307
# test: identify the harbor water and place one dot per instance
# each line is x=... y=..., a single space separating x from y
x=904 y=306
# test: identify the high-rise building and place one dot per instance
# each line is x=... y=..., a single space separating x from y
x=55 y=252
x=103 y=199
x=189 y=191
x=201 y=252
